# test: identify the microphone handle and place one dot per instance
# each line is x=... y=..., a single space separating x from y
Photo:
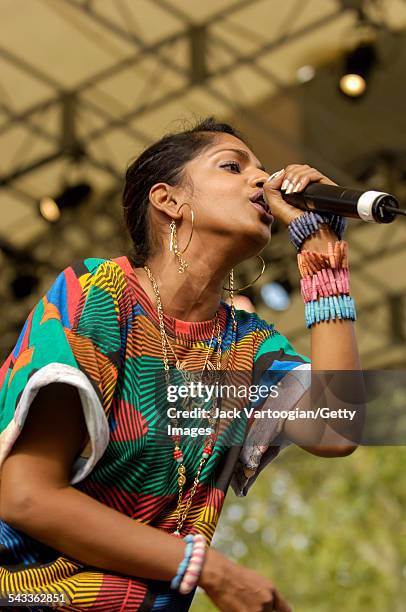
x=355 y=203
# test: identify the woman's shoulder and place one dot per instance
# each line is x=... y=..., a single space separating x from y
x=92 y=265
x=109 y=274
x=88 y=285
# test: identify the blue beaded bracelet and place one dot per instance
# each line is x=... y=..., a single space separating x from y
x=184 y=563
x=308 y=223
x=330 y=308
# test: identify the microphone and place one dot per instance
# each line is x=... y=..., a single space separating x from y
x=370 y=206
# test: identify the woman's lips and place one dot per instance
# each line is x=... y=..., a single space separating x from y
x=265 y=216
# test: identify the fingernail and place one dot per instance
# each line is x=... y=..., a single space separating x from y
x=275 y=174
x=297 y=187
x=290 y=188
x=285 y=185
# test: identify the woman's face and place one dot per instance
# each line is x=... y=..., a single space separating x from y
x=226 y=178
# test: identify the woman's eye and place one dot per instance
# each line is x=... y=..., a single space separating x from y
x=234 y=166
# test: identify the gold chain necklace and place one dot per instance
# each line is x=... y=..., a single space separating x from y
x=211 y=439
x=180 y=365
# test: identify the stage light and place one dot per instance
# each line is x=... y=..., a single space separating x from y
x=358 y=65
x=71 y=197
x=353 y=85
x=305 y=73
x=49 y=209
x=276 y=295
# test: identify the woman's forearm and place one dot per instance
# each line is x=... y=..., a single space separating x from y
x=337 y=382
x=334 y=346
x=333 y=343
x=337 y=369
x=80 y=527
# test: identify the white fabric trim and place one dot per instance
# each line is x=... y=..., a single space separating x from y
x=96 y=420
x=291 y=390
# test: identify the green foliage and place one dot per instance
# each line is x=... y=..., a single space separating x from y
x=329 y=532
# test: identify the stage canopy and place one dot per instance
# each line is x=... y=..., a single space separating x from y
x=86 y=85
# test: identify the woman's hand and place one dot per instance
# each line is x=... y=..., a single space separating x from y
x=234 y=588
x=292 y=179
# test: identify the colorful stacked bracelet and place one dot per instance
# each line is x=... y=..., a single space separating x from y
x=190 y=567
x=325 y=284
x=184 y=563
x=327 y=309
x=194 y=566
x=308 y=223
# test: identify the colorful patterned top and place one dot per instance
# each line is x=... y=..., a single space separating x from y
x=97 y=329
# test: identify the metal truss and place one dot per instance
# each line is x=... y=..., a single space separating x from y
x=197 y=73
x=201 y=41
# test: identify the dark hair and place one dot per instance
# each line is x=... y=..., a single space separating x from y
x=163 y=161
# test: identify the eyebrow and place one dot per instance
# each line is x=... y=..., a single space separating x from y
x=241 y=153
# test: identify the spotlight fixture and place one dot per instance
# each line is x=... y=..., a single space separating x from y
x=23 y=284
x=358 y=65
x=71 y=197
x=74 y=195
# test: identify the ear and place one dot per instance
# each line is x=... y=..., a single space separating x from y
x=162 y=198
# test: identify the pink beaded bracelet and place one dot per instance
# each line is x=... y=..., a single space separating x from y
x=195 y=565
x=325 y=283
x=324 y=274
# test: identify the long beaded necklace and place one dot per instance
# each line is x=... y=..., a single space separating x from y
x=211 y=438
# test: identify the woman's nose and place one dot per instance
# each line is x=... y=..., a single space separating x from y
x=259 y=180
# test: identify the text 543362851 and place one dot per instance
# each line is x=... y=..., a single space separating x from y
x=49 y=600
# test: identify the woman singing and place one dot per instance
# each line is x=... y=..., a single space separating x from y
x=98 y=512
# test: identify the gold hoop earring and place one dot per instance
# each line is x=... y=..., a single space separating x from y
x=233 y=318
x=192 y=216
x=173 y=238
x=173 y=242
x=231 y=288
